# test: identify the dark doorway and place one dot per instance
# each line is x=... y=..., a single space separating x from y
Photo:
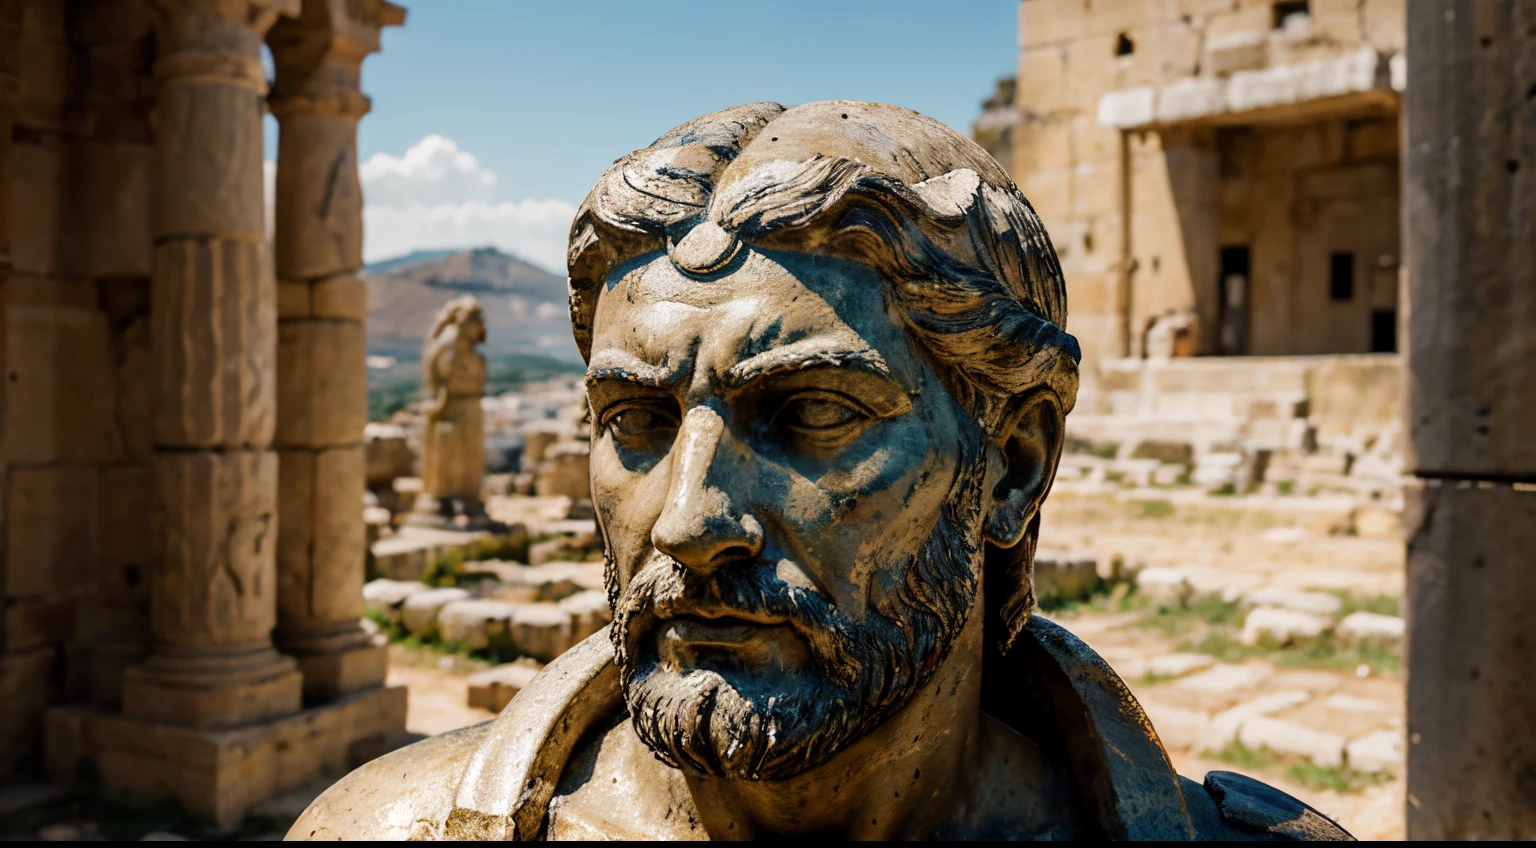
x=1232 y=287
x=1384 y=331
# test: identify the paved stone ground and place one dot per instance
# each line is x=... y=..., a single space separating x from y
x=1323 y=721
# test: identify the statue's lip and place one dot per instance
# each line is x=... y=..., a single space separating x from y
x=721 y=630
x=720 y=616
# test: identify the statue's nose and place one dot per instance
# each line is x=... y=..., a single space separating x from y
x=703 y=525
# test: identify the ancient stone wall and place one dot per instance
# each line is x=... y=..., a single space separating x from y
x=78 y=379
x=1120 y=146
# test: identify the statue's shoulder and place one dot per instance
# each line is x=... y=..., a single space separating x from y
x=401 y=795
x=1053 y=681
x=1230 y=806
x=491 y=781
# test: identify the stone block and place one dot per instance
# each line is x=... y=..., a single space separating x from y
x=1316 y=603
x=388 y=455
x=1375 y=522
x=565 y=471
x=1096 y=189
x=535 y=443
x=1092 y=68
x=1042 y=83
x=320 y=536
x=1293 y=739
x=1163 y=451
x=419 y=611
x=1191 y=100
x=1222 y=678
x=1050 y=22
x=1379 y=751
x=1062 y=576
x=1384 y=25
x=1165 y=586
x=1365 y=626
x=494 y=688
x=329 y=675
x=209 y=164
x=479 y=625
x=1283 y=626
x=37 y=622
x=26 y=690
x=1178 y=664
x=1129 y=108
x=219 y=775
x=171 y=693
x=1043 y=144
x=384 y=597
x=215 y=349
x=60 y=389
x=542 y=631
x=1176 y=727
x=216 y=578
x=318 y=200
x=1226 y=724
x=107 y=221
x=1049 y=192
x=341 y=299
x=1236 y=51
x=589 y=612
x=50 y=531
x=322 y=383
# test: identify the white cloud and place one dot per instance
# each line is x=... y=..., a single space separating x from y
x=434 y=171
x=438 y=196
x=536 y=230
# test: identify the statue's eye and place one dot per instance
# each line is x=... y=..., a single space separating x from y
x=818 y=414
x=638 y=422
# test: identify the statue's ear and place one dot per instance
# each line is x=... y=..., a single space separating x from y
x=1030 y=445
x=1030 y=441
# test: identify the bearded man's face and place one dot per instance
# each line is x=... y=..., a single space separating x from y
x=791 y=504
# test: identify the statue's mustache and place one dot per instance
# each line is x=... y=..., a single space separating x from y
x=665 y=589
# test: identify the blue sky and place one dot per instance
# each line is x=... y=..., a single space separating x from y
x=523 y=104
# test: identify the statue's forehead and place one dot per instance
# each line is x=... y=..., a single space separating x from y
x=767 y=299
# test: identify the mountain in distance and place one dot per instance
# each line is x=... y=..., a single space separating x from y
x=524 y=305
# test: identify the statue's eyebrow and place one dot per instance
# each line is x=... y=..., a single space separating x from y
x=620 y=367
x=802 y=355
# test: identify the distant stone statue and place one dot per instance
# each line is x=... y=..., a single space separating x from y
x=453 y=439
x=828 y=374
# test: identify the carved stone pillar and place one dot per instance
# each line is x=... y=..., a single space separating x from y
x=322 y=400
x=213 y=587
x=1470 y=331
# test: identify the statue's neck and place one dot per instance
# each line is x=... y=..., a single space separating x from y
x=902 y=781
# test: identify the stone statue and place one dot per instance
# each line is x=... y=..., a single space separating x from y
x=453 y=440
x=828 y=373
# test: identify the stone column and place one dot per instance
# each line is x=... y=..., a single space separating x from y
x=322 y=400
x=1470 y=247
x=213 y=586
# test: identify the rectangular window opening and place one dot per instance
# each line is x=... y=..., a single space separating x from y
x=1287 y=8
x=1384 y=331
x=1341 y=276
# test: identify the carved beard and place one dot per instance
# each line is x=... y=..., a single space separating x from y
x=774 y=727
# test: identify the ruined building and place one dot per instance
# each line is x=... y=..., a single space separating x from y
x=183 y=403
x=1222 y=180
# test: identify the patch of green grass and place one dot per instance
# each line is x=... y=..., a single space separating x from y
x=1340 y=779
x=1181 y=619
x=1113 y=477
x=1155 y=509
x=1379 y=604
x=1107 y=451
x=1285 y=487
x=1115 y=599
x=1325 y=651
x=1224 y=490
x=1237 y=754
x=512 y=547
